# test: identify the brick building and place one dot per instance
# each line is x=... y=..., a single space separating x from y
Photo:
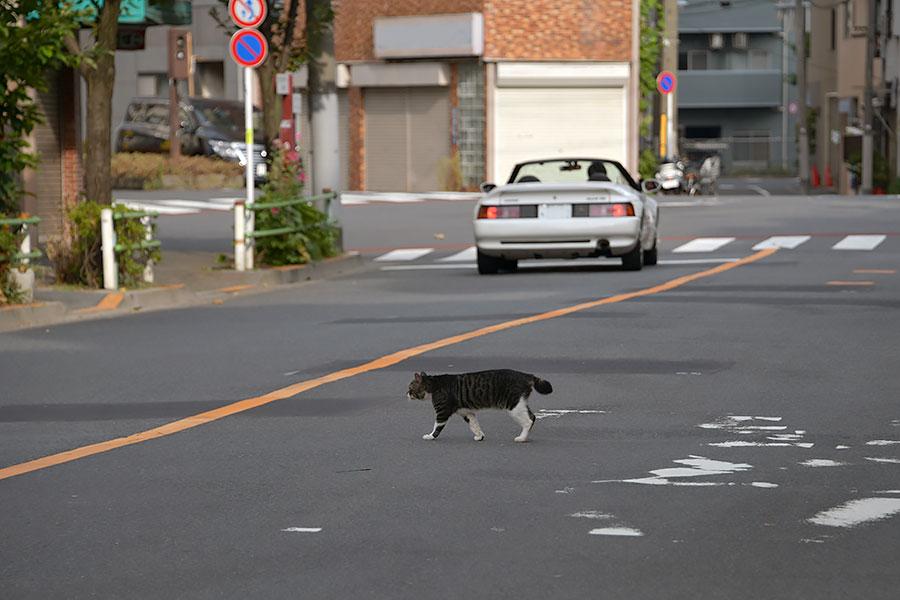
x=426 y=86
x=58 y=180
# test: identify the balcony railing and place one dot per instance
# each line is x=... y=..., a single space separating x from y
x=729 y=88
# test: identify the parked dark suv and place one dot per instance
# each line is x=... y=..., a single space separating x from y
x=209 y=127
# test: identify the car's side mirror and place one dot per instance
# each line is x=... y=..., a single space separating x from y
x=487 y=187
x=650 y=186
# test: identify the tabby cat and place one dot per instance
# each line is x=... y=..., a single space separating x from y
x=465 y=393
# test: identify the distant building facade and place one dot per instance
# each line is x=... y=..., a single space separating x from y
x=735 y=62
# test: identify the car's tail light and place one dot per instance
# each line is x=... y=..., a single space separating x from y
x=623 y=209
x=528 y=211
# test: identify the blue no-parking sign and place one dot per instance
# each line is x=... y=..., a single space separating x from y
x=248 y=48
x=665 y=82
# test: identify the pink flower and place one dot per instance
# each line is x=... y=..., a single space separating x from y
x=274 y=211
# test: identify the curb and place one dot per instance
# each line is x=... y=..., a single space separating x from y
x=112 y=304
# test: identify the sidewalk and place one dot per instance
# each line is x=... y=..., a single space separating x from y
x=181 y=279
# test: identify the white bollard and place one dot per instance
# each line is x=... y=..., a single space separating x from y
x=148 y=270
x=251 y=242
x=26 y=243
x=108 y=250
x=240 y=262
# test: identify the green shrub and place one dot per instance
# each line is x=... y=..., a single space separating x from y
x=315 y=237
x=146 y=169
x=77 y=257
x=9 y=247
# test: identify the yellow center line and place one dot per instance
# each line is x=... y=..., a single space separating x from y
x=851 y=283
x=378 y=363
x=876 y=271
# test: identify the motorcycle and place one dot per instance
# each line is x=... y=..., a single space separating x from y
x=671 y=177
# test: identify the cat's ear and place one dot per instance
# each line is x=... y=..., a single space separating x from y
x=419 y=377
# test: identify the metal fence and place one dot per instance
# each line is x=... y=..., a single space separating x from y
x=752 y=154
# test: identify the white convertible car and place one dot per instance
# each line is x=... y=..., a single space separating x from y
x=566 y=208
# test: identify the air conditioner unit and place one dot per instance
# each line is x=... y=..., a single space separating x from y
x=739 y=40
x=716 y=41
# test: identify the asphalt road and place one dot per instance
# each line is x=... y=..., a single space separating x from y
x=716 y=430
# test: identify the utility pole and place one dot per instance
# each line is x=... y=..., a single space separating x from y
x=323 y=108
x=802 y=136
x=868 y=114
x=670 y=63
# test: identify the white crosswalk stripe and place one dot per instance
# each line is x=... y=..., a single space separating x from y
x=788 y=242
x=180 y=207
x=404 y=254
x=704 y=244
x=468 y=255
x=859 y=242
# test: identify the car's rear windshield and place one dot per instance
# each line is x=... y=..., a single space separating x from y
x=569 y=171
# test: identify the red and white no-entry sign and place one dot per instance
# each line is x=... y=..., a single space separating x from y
x=248 y=48
x=247 y=13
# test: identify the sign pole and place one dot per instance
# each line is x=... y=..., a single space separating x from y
x=248 y=139
x=670 y=134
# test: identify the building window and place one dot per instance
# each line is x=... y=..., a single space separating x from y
x=758 y=59
x=470 y=123
x=153 y=85
x=833 y=28
x=697 y=60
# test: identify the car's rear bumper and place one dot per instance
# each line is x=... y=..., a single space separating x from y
x=563 y=238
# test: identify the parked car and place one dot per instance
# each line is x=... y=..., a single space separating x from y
x=209 y=127
x=566 y=208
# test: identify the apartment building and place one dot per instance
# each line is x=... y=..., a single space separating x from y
x=837 y=86
x=735 y=93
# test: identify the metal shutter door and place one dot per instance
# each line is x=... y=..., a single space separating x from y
x=429 y=136
x=533 y=123
x=386 y=143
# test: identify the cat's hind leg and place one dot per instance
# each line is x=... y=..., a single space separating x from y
x=469 y=417
x=522 y=415
x=438 y=427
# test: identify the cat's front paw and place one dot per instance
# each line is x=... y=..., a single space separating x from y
x=478 y=438
x=427 y=436
x=522 y=438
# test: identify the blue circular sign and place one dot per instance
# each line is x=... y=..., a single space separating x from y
x=248 y=48
x=665 y=82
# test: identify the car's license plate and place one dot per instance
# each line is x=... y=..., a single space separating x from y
x=668 y=184
x=555 y=211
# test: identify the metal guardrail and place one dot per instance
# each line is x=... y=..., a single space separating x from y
x=249 y=233
x=109 y=245
x=26 y=253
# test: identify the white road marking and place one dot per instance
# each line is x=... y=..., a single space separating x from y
x=696 y=466
x=302 y=529
x=859 y=242
x=467 y=255
x=544 y=413
x=893 y=461
x=704 y=244
x=856 y=512
x=882 y=443
x=788 y=242
x=617 y=531
x=591 y=514
x=822 y=462
x=402 y=254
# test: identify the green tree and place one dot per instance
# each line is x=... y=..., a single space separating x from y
x=96 y=63
x=31 y=43
x=293 y=29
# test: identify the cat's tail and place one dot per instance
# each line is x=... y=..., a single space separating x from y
x=541 y=385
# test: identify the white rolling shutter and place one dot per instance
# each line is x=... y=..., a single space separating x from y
x=548 y=122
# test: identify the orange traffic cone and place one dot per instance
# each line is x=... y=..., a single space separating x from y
x=815 y=177
x=829 y=182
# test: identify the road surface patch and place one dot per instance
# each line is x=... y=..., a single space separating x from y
x=379 y=363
